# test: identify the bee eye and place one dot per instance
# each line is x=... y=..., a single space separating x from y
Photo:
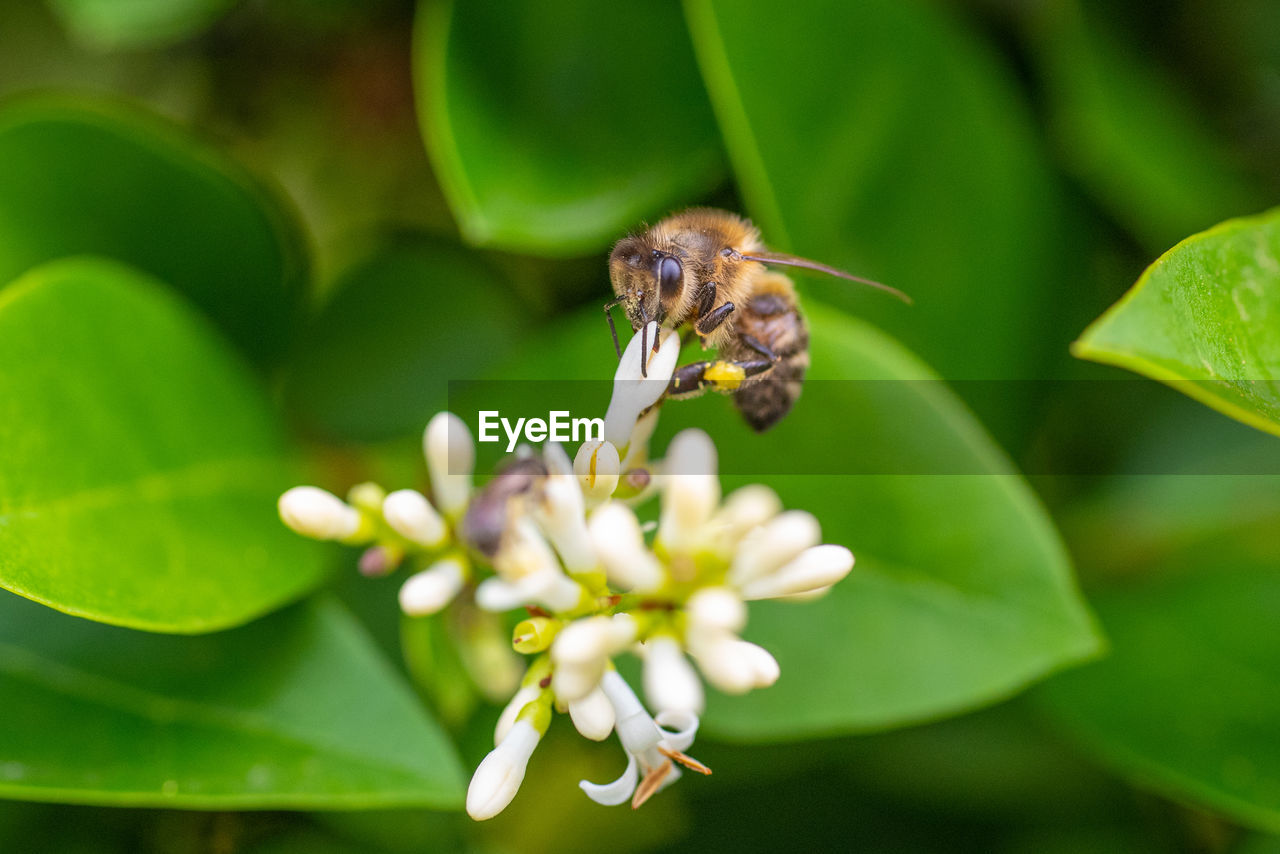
x=669 y=274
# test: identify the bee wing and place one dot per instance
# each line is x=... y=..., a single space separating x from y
x=783 y=260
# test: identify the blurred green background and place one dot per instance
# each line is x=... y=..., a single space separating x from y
x=364 y=200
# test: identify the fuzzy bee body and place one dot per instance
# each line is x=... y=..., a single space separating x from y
x=706 y=269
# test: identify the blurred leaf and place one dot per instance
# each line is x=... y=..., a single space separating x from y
x=1188 y=703
x=553 y=129
x=141 y=463
x=88 y=177
x=125 y=24
x=1130 y=136
x=377 y=360
x=295 y=711
x=1205 y=318
x=962 y=592
x=884 y=138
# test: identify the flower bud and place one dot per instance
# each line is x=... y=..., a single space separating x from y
x=670 y=685
x=499 y=775
x=768 y=547
x=814 y=569
x=526 y=694
x=318 y=514
x=451 y=457
x=592 y=715
x=733 y=665
x=560 y=513
x=581 y=653
x=690 y=490
x=535 y=634
x=617 y=540
x=598 y=469
x=432 y=589
x=714 y=610
x=411 y=516
x=743 y=510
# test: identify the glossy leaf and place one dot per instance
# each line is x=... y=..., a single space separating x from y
x=89 y=177
x=1129 y=135
x=962 y=593
x=1188 y=700
x=141 y=462
x=553 y=130
x=114 y=25
x=1205 y=318
x=295 y=711
x=884 y=138
x=377 y=360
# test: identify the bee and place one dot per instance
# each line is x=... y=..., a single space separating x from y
x=708 y=269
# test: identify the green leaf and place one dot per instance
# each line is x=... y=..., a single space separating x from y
x=141 y=462
x=1129 y=135
x=297 y=711
x=125 y=24
x=89 y=177
x=1205 y=319
x=962 y=593
x=882 y=137
x=377 y=359
x=553 y=130
x=1188 y=701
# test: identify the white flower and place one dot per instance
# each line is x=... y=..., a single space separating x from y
x=529 y=574
x=652 y=751
x=690 y=490
x=499 y=775
x=633 y=391
x=812 y=571
x=670 y=683
x=731 y=664
x=527 y=694
x=312 y=512
x=432 y=589
x=580 y=653
x=411 y=516
x=592 y=715
x=451 y=457
x=561 y=515
x=619 y=543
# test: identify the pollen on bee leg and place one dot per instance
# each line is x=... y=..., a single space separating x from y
x=650 y=784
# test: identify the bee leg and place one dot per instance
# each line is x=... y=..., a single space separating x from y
x=706 y=298
x=725 y=376
x=760 y=348
x=613 y=330
x=712 y=319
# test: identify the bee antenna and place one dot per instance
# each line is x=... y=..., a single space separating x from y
x=784 y=260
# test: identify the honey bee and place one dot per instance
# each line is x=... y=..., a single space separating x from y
x=707 y=268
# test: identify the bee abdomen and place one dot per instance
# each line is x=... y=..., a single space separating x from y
x=773 y=319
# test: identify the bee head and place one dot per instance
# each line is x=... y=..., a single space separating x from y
x=649 y=279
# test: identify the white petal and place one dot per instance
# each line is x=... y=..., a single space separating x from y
x=638 y=444
x=770 y=546
x=592 y=715
x=814 y=569
x=598 y=468
x=725 y=664
x=764 y=667
x=432 y=589
x=562 y=515
x=524 y=551
x=496 y=595
x=556 y=458
x=678 y=729
x=313 y=512
x=716 y=609
x=632 y=392
x=690 y=490
x=743 y=510
x=507 y=719
x=499 y=775
x=670 y=684
x=617 y=792
x=619 y=544
x=411 y=516
x=451 y=457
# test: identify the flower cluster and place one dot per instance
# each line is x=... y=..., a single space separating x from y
x=561 y=540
